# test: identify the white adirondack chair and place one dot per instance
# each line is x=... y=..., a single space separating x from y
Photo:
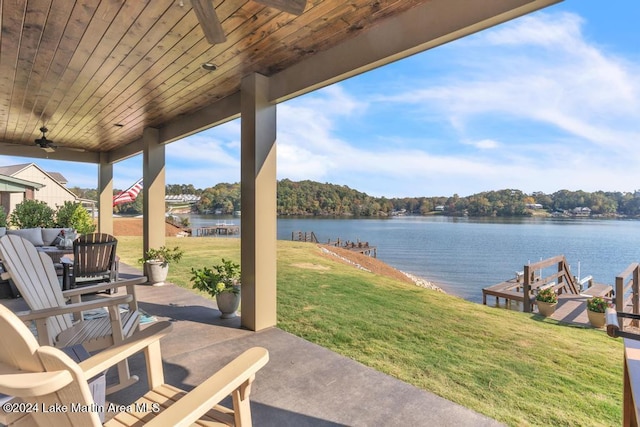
x=35 y=277
x=44 y=377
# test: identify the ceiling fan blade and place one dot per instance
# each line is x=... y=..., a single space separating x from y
x=209 y=21
x=295 y=7
x=79 y=150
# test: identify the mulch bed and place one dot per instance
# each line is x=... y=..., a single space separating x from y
x=370 y=263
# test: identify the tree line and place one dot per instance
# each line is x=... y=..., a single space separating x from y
x=323 y=199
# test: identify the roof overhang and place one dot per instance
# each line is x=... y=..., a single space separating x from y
x=10 y=184
x=117 y=81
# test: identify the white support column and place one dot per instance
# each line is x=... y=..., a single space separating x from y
x=153 y=190
x=258 y=188
x=105 y=196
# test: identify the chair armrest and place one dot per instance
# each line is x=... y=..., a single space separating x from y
x=103 y=286
x=205 y=396
x=73 y=308
x=15 y=382
x=101 y=361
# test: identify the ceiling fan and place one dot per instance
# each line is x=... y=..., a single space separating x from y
x=206 y=14
x=44 y=143
x=48 y=145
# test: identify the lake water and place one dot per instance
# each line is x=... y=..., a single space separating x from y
x=464 y=255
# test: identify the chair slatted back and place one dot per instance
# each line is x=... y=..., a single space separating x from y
x=19 y=350
x=34 y=275
x=94 y=255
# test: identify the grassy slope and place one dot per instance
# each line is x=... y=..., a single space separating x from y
x=517 y=368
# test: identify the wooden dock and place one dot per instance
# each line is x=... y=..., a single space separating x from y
x=364 y=249
x=572 y=307
x=216 y=230
x=510 y=290
x=523 y=288
x=304 y=236
x=361 y=247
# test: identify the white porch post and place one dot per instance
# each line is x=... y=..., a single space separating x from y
x=105 y=196
x=153 y=190
x=258 y=195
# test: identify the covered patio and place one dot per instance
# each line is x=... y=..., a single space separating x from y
x=107 y=80
x=113 y=79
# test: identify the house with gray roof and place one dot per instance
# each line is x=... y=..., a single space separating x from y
x=29 y=181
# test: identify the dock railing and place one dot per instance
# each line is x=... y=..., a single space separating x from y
x=627 y=297
x=627 y=301
x=304 y=236
x=587 y=280
x=561 y=280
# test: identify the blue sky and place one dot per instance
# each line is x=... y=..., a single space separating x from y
x=546 y=102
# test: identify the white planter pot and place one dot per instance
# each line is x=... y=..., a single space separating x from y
x=156 y=273
x=228 y=303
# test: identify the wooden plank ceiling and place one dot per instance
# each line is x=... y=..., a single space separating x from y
x=97 y=72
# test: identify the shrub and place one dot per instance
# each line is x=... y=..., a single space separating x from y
x=163 y=255
x=32 y=213
x=547 y=295
x=3 y=217
x=74 y=215
x=223 y=277
x=597 y=305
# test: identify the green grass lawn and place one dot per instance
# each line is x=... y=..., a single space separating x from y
x=520 y=369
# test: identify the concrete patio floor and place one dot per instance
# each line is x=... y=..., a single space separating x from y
x=302 y=385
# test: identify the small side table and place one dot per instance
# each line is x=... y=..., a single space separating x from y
x=56 y=254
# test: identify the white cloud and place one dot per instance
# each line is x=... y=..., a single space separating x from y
x=207 y=158
x=542 y=29
x=204 y=151
x=575 y=103
x=485 y=144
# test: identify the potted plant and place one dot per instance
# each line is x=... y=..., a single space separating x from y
x=596 y=308
x=156 y=263
x=221 y=281
x=547 y=301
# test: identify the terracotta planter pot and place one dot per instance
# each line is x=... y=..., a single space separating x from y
x=228 y=303
x=546 y=308
x=597 y=320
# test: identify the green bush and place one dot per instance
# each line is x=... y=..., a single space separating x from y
x=74 y=215
x=547 y=295
x=223 y=277
x=597 y=305
x=32 y=213
x=163 y=255
x=3 y=217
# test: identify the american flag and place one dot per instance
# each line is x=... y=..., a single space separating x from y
x=129 y=195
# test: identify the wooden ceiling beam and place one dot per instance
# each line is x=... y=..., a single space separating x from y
x=209 y=21
x=295 y=7
x=60 y=153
